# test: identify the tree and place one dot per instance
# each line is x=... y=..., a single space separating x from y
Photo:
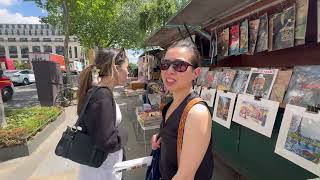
x=59 y=15
x=109 y=23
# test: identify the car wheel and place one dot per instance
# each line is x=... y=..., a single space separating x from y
x=7 y=93
x=25 y=81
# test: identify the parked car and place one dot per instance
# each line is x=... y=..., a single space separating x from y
x=6 y=87
x=20 y=76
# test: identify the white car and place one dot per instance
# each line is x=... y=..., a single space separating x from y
x=20 y=76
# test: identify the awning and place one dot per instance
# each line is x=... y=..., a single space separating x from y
x=166 y=35
x=200 y=12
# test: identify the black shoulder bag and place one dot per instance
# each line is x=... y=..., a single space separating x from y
x=77 y=146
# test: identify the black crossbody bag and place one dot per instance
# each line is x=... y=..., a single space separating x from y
x=77 y=145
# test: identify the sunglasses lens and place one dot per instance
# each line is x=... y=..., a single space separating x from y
x=180 y=66
x=164 y=65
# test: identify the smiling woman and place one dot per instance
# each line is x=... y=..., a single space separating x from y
x=179 y=69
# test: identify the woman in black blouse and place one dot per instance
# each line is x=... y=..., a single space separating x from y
x=179 y=68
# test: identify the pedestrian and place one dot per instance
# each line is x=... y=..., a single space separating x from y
x=102 y=116
x=179 y=69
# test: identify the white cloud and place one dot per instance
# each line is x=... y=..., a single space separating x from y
x=15 y=18
x=7 y=2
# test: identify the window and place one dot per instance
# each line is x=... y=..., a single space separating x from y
x=47 y=26
x=47 y=33
x=18 y=32
x=24 y=51
x=12 y=31
x=1 y=26
x=70 y=52
x=35 y=32
x=7 y=25
x=13 y=26
x=46 y=39
x=59 y=33
x=11 y=39
x=19 y=26
x=24 y=32
x=41 y=32
x=42 y=27
x=47 y=49
x=23 y=39
x=58 y=40
x=30 y=26
x=24 y=72
x=6 y=32
x=2 y=51
x=25 y=26
x=36 y=49
x=13 y=53
x=36 y=26
x=60 y=50
x=75 y=52
x=35 y=39
x=0 y=32
x=53 y=32
x=30 y=32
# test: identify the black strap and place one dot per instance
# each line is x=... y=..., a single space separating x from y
x=84 y=107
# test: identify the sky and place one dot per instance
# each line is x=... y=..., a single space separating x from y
x=27 y=12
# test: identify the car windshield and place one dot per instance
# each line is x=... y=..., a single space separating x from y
x=10 y=72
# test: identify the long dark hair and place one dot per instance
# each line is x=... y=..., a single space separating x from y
x=104 y=61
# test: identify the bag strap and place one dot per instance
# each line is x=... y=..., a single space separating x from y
x=182 y=124
x=84 y=107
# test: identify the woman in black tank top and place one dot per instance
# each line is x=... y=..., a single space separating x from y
x=179 y=68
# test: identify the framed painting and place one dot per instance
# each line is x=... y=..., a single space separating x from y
x=223 y=108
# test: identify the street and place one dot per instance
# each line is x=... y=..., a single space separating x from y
x=23 y=96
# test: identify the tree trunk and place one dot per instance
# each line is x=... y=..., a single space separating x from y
x=3 y=122
x=66 y=18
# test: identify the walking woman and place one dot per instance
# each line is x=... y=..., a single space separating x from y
x=179 y=68
x=102 y=116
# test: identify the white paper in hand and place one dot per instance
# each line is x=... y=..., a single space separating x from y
x=132 y=164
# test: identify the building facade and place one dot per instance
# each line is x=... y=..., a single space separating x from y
x=17 y=40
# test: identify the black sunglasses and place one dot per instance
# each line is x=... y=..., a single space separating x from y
x=178 y=65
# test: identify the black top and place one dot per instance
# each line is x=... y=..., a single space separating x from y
x=169 y=134
x=100 y=122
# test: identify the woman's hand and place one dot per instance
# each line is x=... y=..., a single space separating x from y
x=155 y=142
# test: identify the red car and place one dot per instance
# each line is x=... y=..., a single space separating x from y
x=6 y=87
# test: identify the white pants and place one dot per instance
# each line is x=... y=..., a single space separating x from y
x=104 y=172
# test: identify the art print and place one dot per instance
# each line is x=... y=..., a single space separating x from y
x=223 y=109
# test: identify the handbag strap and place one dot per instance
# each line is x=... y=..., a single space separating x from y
x=182 y=124
x=84 y=107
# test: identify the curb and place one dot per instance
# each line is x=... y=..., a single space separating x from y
x=28 y=148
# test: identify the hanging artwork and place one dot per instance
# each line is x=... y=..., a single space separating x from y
x=253 y=34
x=202 y=78
x=213 y=47
x=234 y=41
x=258 y=115
x=280 y=85
x=225 y=79
x=260 y=82
x=210 y=78
x=283 y=29
x=208 y=95
x=301 y=21
x=299 y=138
x=262 y=40
x=304 y=87
x=197 y=89
x=223 y=42
x=223 y=108
x=270 y=34
x=240 y=81
x=244 y=37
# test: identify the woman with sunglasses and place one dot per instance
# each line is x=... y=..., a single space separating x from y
x=179 y=69
x=102 y=115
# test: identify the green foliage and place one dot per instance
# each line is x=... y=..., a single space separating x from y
x=23 y=123
x=20 y=65
x=108 y=23
x=133 y=69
